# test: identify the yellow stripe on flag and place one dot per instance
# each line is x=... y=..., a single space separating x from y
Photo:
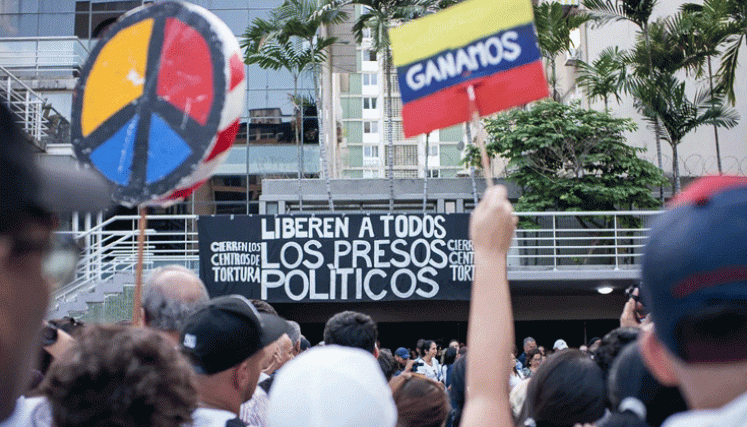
x=456 y=26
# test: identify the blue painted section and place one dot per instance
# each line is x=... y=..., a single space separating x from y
x=166 y=150
x=431 y=76
x=113 y=158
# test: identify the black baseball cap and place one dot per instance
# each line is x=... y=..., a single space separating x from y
x=226 y=331
x=55 y=185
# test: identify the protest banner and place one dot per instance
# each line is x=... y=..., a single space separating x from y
x=337 y=258
x=472 y=59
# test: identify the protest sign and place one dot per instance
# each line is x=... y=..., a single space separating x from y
x=489 y=45
x=337 y=258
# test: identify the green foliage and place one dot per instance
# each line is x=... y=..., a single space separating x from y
x=567 y=158
x=604 y=77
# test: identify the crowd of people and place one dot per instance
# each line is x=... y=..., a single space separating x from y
x=678 y=359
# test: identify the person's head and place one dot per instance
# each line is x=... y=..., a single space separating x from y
x=331 y=386
x=401 y=355
x=559 y=345
x=542 y=350
x=457 y=390
x=430 y=348
x=295 y=336
x=633 y=389
x=387 y=363
x=454 y=344
x=567 y=389
x=227 y=341
x=462 y=352
x=529 y=344
x=29 y=194
x=419 y=347
x=610 y=346
x=135 y=377
x=583 y=348
x=352 y=329
x=534 y=359
x=450 y=355
x=695 y=285
x=594 y=344
x=421 y=402
x=170 y=294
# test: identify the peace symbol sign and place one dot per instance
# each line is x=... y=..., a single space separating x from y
x=158 y=102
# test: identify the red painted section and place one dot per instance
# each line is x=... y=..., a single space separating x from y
x=701 y=190
x=185 y=77
x=497 y=92
x=237 y=71
x=225 y=139
x=180 y=194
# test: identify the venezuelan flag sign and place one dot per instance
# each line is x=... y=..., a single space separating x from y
x=488 y=44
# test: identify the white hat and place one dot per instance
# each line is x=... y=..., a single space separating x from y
x=331 y=386
x=560 y=345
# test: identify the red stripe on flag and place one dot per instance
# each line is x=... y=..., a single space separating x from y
x=237 y=71
x=184 y=192
x=450 y=106
x=225 y=139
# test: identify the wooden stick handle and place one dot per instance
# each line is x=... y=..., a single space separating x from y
x=137 y=298
x=480 y=137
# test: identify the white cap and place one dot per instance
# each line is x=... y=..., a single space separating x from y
x=560 y=345
x=331 y=386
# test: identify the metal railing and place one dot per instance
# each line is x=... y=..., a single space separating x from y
x=548 y=241
x=38 y=55
x=26 y=104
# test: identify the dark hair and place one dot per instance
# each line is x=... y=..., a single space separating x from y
x=611 y=345
x=462 y=350
x=450 y=355
x=567 y=389
x=351 y=329
x=427 y=346
x=714 y=334
x=305 y=344
x=419 y=347
x=69 y=324
x=622 y=419
x=386 y=363
x=531 y=354
x=134 y=376
x=629 y=377
x=421 y=402
x=264 y=307
x=456 y=391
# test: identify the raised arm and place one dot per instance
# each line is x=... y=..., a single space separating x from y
x=490 y=334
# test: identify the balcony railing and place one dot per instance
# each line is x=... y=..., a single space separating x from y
x=34 y=56
x=557 y=244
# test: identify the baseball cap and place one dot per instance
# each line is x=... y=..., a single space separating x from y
x=695 y=269
x=560 y=345
x=331 y=386
x=56 y=184
x=226 y=331
x=402 y=352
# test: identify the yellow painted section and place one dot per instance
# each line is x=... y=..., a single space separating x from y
x=117 y=77
x=456 y=26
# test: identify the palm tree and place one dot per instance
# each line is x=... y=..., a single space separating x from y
x=733 y=15
x=294 y=21
x=604 y=77
x=554 y=23
x=704 y=29
x=294 y=57
x=664 y=99
x=638 y=12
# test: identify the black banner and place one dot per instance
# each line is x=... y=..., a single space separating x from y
x=318 y=258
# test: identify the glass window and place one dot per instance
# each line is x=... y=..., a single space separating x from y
x=370 y=79
x=370 y=151
x=370 y=127
x=369 y=103
x=369 y=55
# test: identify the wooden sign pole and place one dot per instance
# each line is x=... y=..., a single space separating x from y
x=480 y=137
x=137 y=298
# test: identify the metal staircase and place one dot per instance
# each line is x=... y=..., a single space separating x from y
x=31 y=110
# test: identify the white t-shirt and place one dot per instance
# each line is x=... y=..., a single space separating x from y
x=431 y=371
x=210 y=417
